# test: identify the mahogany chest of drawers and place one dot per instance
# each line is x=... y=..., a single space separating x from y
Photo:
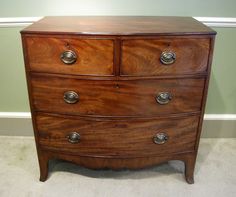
x=117 y=92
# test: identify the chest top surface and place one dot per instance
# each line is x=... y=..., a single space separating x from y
x=118 y=25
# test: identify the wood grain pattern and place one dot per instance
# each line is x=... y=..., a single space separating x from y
x=118 y=76
x=117 y=138
x=118 y=163
x=116 y=98
x=118 y=25
x=142 y=57
x=95 y=57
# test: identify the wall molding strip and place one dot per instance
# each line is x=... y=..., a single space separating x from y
x=17 y=21
x=209 y=21
x=214 y=125
x=206 y=116
x=15 y=115
x=220 y=117
x=217 y=21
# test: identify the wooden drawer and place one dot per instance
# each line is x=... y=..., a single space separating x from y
x=121 y=138
x=94 y=57
x=116 y=98
x=142 y=57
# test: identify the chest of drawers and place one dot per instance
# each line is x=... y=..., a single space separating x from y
x=117 y=92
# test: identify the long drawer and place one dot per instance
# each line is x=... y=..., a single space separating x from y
x=70 y=55
x=117 y=138
x=164 y=56
x=116 y=98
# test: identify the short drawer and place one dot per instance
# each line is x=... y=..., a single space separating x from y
x=70 y=55
x=165 y=55
x=121 y=138
x=116 y=98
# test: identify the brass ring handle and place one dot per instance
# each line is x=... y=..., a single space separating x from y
x=71 y=97
x=73 y=137
x=167 y=58
x=68 y=57
x=163 y=98
x=160 y=138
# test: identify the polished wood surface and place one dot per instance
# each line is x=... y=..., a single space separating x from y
x=118 y=163
x=118 y=75
x=44 y=55
x=98 y=98
x=118 y=25
x=117 y=138
x=141 y=57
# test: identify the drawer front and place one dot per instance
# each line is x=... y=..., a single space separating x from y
x=115 y=98
x=143 y=57
x=70 y=55
x=133 y=138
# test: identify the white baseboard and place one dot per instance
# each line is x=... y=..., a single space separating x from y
x=206 y=116
x=15 y=115
x=209 y=21
x=214 y=126
x=220 y=117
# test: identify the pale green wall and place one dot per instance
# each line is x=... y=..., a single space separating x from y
x=12 y=76
x=223 y=8
x=222 y=92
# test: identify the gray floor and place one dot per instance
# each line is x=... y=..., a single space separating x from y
x=215 y=174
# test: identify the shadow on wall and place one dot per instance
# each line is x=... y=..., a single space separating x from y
x=21 y=127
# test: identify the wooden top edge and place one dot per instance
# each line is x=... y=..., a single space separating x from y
x=115 y=34
x=118 y=26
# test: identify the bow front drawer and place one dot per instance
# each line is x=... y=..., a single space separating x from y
x=116 y=98
x=120 y=138
x=165 y=55
x=70 y=55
